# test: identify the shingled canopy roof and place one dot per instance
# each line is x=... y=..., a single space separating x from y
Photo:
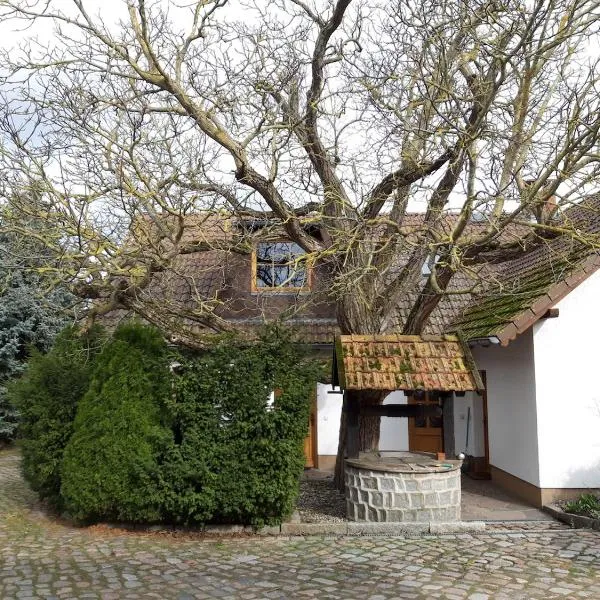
x=404 y=362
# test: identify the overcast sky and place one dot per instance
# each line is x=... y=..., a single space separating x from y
x=111 y=11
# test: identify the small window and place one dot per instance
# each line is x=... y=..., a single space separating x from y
x=277 y=267
x=428 y=265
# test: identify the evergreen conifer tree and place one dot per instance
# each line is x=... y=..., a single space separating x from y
x=32 y=312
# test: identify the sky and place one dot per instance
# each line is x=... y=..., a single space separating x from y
x=110 y=11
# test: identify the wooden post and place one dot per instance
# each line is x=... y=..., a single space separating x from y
x=448 y=424
x=352 y=409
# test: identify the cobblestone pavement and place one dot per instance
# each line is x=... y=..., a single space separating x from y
x=48 y=559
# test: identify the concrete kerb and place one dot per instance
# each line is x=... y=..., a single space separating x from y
x=354 y=528
x=575 y=521
x=346 y=528
x=296 y=529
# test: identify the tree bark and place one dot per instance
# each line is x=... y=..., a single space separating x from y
x=427 y=302
x=368 y=433
x=356 y=315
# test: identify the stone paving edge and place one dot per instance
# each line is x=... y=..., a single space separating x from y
x=575 y=521
x=345 y=529
x=354 y=528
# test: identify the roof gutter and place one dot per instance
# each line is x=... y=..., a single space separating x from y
x=491 y=340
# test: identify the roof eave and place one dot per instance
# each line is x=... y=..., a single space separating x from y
x=530 y=316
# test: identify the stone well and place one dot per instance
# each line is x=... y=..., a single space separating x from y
x=402 y=487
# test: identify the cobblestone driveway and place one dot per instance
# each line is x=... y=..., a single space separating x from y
x=40 y=558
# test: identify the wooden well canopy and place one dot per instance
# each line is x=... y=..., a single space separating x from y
x=411 y=363
x=440 y=363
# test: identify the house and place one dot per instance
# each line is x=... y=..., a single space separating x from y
x=534 y=332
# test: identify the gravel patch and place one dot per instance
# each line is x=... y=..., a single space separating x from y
x=320 y=502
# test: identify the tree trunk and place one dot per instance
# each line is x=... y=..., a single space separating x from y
x=368 y=432
x=427 y=302
x=356 y=315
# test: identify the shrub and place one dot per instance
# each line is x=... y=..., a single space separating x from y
x=111 y=464
x=47 y=396
x=587 y=505
x=234 y=458
x=207 y=446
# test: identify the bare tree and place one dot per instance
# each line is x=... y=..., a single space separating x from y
x=331 y=118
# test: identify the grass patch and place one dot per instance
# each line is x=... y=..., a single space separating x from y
x=18 y=525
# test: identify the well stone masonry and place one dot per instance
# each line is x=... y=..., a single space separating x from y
x=402 y=487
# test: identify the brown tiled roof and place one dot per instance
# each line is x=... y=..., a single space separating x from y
x=317 y=332
x=405 y=362
x=204 y=226
x=191 y=278
x=506 y=299
x=521 y=291
x=313 y=332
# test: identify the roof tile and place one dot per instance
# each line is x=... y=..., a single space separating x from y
x=576 y=278
x=404 y=362
x=541 y=304
x=500 y=293
x=558 y=291
x=508 y=333
x=524 y=319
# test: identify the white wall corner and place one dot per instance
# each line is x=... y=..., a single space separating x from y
x=512 y=411
x=568 y=391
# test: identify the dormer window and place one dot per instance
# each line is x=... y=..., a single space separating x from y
x=277 y=267
x=427 y=266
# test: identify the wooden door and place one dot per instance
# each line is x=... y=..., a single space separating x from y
x=310 y=441
x=425 y=434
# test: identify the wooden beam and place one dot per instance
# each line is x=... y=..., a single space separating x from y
x=551 y=313
x=335 y=379
x=352 y=410
x=402 y=410
x=448 y=425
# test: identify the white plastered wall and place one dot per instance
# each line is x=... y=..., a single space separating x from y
x=512 y=419
x=329 y=411
x=567 y=372
x=394 y=431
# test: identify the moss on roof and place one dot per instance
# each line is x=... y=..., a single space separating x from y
x=491 y=313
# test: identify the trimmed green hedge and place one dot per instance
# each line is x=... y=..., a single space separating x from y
x=203 y=446
x=235 y=459
x=111 y=463
x=47 y=396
